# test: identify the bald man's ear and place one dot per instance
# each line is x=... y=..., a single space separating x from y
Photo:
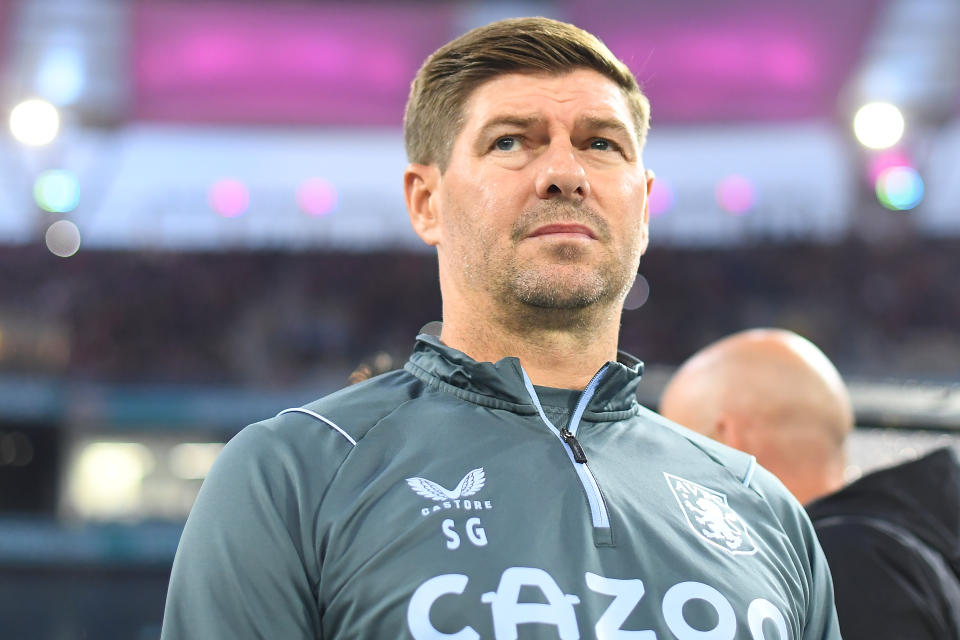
x=421 y=189
x=730 y=432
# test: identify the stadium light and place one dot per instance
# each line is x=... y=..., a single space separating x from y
x=317 y=197
x=662 y=197
x=229 y=198
x=192 y=460
x=60 y=76
x=736 y=194
x=63 y=238
x=899 y=188
x=878 y=125
x=638 y=295
x=34 y=122
x=108 y=477
x=57 y=191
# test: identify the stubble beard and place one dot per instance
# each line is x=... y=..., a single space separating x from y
x=552 y=287
x=559 y=287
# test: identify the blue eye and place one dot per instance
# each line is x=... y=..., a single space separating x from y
x=600 y=144
x=506 y=143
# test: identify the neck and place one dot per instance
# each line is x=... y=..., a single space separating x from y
x=809 y=474
x=834 y=476
x=557 y=348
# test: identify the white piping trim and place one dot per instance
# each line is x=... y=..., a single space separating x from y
x=750 y=469
x=321 y=419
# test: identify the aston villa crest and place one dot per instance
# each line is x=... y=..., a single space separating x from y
x=709 y=515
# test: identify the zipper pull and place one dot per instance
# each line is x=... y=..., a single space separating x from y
x=575 y=448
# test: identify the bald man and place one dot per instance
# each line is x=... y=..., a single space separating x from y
x=771 y=393
x=892 y=538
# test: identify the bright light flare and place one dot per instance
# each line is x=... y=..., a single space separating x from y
x=638 y=295
x=662 y=197
x=899 y=188
x=317 y=197
x=736 y=195
x=229 y=198
x=60 y=76
x=108 y=478
x=57 y=191
x=884 y=160
x=878 y=125
x=192 y=460
x=63 y=238
x=34 y=122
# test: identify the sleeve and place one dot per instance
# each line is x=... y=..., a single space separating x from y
x=882 y=587
x=246 y=565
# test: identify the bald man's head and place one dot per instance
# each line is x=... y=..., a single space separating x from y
x=771 y=393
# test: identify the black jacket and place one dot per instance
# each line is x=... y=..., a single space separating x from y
x=892 y=540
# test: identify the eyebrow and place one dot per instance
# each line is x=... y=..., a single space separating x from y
x=585 y=122
x=520 y=122
x=606 y=124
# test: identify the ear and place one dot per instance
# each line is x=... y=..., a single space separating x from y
x=421 y=190
x=730 y=432
x=648 y=175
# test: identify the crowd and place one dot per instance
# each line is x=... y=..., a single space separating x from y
x=271 y=319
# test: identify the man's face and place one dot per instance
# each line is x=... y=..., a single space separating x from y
x=544 y=201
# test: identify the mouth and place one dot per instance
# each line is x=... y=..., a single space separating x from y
x=562 y=229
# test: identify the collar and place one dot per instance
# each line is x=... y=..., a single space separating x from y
x=500 y=384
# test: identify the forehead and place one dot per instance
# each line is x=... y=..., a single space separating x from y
x=569 y=95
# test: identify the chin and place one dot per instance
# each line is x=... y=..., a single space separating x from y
x=561 y=295
x=563 y=286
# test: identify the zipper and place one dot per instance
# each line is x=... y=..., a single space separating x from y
x=575 y=448
x=568 y=436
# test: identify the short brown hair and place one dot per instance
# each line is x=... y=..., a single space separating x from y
x=434 y=114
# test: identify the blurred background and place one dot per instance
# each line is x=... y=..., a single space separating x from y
x=201 y=223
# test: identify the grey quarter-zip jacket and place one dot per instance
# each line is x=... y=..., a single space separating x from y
x=455 y=499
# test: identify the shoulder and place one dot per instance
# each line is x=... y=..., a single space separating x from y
x=320 y=434
x=778 y=521
x=852 y=540
x=742 y=466
x=887 y=546
x=741 y=469
x=348 y=414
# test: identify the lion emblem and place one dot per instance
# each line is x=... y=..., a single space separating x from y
x=709 y=515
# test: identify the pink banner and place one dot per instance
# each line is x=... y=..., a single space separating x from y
x=735 y=60
x=280 y=63
x=6 y=18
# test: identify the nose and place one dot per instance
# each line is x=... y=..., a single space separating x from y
x=561 y=175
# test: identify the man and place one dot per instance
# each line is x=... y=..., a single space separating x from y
x=505 y=482
x=892 y=538
x=773 y=394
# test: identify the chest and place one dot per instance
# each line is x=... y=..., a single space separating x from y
x=475 y=534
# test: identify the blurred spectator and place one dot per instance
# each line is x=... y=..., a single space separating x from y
x=892 y=538
x=269 y=319
x=773 y=394
x=381 y=362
